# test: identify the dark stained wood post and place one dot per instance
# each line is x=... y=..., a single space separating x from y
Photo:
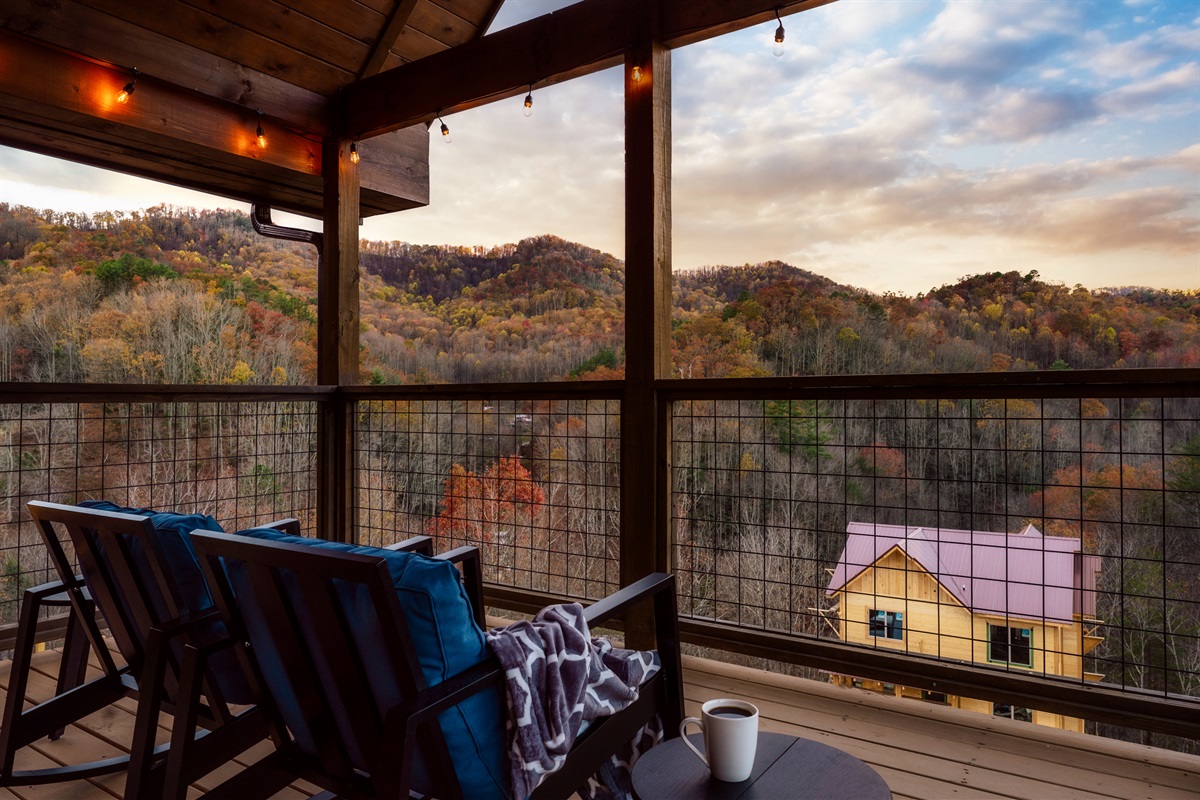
x=644 y=524
x=337 y=342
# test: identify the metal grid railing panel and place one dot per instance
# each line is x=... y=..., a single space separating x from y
x=902 y=524
x=534 y=483
x=245 y=463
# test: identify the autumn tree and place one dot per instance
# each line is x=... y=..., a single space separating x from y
x=485 y=509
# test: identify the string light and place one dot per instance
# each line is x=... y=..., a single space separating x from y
x=445 y=130
x=637 y=74
x=529 y=102
x=354 y=152
x=778 y=49
x=130 y=88
x=259 y=133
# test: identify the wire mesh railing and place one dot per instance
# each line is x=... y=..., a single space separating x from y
x=1033 y=530
x=531 y=478
x=242 y=460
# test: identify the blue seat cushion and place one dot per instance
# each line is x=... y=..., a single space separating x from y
x=447 y=640
x=184 y=568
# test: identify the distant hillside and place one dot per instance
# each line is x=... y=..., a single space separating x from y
x=177 y=295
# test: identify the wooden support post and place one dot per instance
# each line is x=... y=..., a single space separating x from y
x=337 y=343
x=644 y=525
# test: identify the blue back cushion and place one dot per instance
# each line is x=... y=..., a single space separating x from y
x=184 y=570
x=447 y=640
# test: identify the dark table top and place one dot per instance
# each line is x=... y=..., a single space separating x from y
x=785 y=768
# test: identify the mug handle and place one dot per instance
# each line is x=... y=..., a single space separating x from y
x=683 y=735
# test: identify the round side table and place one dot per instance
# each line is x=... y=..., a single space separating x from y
x=785 y=768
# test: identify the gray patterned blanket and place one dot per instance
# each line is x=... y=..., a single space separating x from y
x=560 y=678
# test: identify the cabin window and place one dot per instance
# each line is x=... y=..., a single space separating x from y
x=1012 y=712
x=887 y=624
x=1010 y=645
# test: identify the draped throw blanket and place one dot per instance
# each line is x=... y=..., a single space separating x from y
x=559 y=678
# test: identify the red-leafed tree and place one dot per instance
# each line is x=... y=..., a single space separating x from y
x=487 y=508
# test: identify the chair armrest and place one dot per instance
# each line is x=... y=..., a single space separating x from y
x=470 y=564
x=416 y=544
x=429 y=703
x=288 y=525
x=181 y=624
x=660 y=589
x=628 y=597
x=53 y=593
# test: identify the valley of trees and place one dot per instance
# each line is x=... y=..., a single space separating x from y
x=170 y=295
x=763 y=489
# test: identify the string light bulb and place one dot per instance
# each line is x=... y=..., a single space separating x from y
x=778 y=49
x=528 y=110
x=259 y=133
x=637 y=74
x=130 y=88
x=445 y=130
x=354 y=153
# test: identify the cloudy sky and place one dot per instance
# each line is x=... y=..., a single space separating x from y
x=896 y=145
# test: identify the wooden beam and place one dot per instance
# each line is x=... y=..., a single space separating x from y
x=577 y=40
x=337 y=343
x=337 y=285
x=391 y=32
x=647 y=304
x=67 y=108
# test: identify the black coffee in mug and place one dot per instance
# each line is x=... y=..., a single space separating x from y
x=733 y=712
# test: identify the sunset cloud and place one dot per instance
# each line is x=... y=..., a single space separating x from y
x=896 y=145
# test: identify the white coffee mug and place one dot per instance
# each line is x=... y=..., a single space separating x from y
x=730 y=738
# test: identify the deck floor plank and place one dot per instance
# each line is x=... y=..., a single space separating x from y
x=1006 y=762
x=921 y=750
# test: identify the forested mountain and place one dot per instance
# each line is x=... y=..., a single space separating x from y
x=183 y=296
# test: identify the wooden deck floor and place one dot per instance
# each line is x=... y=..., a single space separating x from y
x=921 y=750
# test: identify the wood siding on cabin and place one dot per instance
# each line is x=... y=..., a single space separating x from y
x=936 y=624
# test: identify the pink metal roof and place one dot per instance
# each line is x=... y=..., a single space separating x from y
x=1025 y=575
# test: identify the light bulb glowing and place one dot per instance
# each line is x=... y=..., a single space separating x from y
x=528 y=110
x=259 y=133
x=130 y=88
x=637 y=74
x=354 y=153
x=778 y=49
x=445 y=132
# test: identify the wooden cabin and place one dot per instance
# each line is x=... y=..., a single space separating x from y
x=1023 y=602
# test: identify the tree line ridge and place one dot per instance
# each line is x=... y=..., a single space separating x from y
x=174 y=295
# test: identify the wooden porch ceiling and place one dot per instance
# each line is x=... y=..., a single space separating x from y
x=370 y=70
x=207 y=67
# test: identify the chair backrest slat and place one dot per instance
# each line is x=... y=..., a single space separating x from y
x=285 y=630
x=349 y=690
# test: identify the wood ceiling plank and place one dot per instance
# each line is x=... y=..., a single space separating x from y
x=357 y=20
x=381 y=7
x=412 y=45
x=473 y=11
x=387 y=38
x=442 y=25
x=99 y=35
x=210 y=33
x=280 y=23
x=576 y=40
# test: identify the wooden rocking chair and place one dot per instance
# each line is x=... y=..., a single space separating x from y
x=356 y=656
x=151 y=594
